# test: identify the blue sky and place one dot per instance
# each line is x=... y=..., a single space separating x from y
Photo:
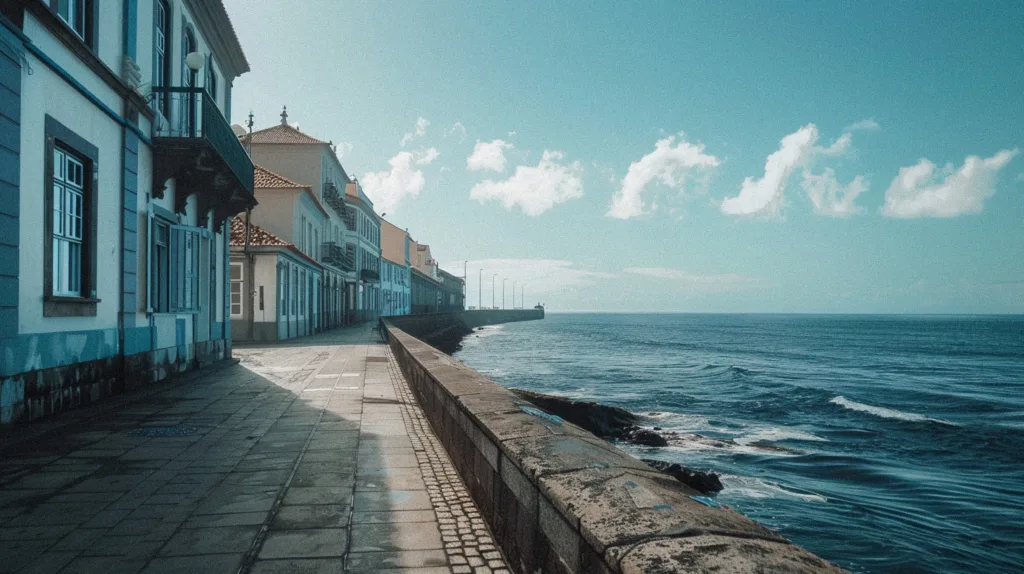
x=683 y=156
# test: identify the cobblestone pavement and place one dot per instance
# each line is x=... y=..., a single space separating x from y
x=306 y=457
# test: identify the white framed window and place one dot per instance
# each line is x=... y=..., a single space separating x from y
x=236 y=289
x=73 y=13
x=68 y=200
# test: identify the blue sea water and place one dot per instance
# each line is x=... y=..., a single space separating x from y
x=881 y=443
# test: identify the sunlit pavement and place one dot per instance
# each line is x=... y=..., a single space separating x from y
x=309 y=456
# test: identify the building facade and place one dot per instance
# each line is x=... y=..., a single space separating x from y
x=396 y=269
x=368 y=301
x=119 y=175
x=311 y=162
x=452 y=292
x=279 y=262
x=274 y=286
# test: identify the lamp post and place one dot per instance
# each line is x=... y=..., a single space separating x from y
x=492 y=289
x=513 y=295
x=503 y=291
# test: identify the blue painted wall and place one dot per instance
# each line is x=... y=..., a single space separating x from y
x=10 y=168
x=130 y=231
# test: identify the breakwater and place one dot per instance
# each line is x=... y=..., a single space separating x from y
x=559 y=499
x=445 y=331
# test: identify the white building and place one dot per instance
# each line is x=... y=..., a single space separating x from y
x=118 y=175
x=276 y=277
x=368 y=297
x=311 y=162
x=395 y=269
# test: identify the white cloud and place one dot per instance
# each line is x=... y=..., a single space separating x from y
x=671 y=165
x=831 y=197
x=765 y=194
x=868 y=125
x=387 y=188
x=696 y=282
x=424 y=157
x=535 y=189
x=538 y=276
x=488 y=155
x=343 y=149
x=838 y=147
x=456 y=129
x=1020 y=177
x=923 y=190
x=421 y=129
x=511 y=133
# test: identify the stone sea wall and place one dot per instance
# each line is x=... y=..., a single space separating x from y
x=559 y=499
x=446 y=330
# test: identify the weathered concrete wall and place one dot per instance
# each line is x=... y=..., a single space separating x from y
x=446 y=330
x=559 y=499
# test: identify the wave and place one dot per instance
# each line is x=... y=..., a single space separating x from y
x=750 y=487
x=885 y=413
x=776 y=435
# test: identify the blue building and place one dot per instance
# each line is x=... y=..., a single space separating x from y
x=119 y=175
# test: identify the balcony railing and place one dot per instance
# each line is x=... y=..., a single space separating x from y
x=333 y=254
x=369 y=275
x=190 y=126
x=333 y=198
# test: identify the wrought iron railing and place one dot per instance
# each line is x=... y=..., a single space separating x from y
x=369 y=275
x=333 y=198
x=333 y=254
x=193 y=113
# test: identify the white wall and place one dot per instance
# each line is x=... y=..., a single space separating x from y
x=44 y=92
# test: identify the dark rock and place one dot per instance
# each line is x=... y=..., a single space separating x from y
x=602 y=420
x=644 y=437
x=703 y=482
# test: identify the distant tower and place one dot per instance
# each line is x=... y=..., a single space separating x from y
x=284 y=116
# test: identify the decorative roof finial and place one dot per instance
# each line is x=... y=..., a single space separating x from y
x=284 y=116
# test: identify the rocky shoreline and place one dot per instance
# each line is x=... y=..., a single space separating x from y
x=617 y=424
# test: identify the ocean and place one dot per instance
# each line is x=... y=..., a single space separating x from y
x=881 y=443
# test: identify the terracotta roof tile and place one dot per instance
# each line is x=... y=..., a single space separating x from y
x=258 y=237
x=268 y=179
x=282 y=134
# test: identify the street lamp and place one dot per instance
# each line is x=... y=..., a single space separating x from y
x=492 y=289
x=513 y=295
x=503 y=292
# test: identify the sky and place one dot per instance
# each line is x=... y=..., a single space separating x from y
x=679 y=156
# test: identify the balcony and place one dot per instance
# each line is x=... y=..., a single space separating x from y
x=369 y=275
x=333 y=198
x=193 y=143
x=333 y=254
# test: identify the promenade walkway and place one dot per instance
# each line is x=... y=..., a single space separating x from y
x=308 y=456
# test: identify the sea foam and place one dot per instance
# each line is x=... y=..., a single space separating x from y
x=883 y=412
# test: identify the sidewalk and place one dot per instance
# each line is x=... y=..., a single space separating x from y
x=310 y=456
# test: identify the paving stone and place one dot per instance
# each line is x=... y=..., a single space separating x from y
x=298 y=566
x=217 y=520
x=312 y=516
x=376 y=501
x=373 y=561
x=312 y=543
x=223 y=539
x=393 y=516
x=379 y=537
x=318 y=495
x=192 y=564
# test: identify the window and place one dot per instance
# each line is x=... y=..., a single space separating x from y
x=73 y=13
x=283 y=289
x=161 y=69
x=236 y=289
x=68 y=234
x=175 y=253
x=309 y=238
x=302 y=235
x=295 y=286
x=68 y=200
x=159 y=273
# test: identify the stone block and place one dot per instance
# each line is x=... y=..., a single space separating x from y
x=541 y=455
x=617 y=507
x=563 y=537
x=713 y=553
